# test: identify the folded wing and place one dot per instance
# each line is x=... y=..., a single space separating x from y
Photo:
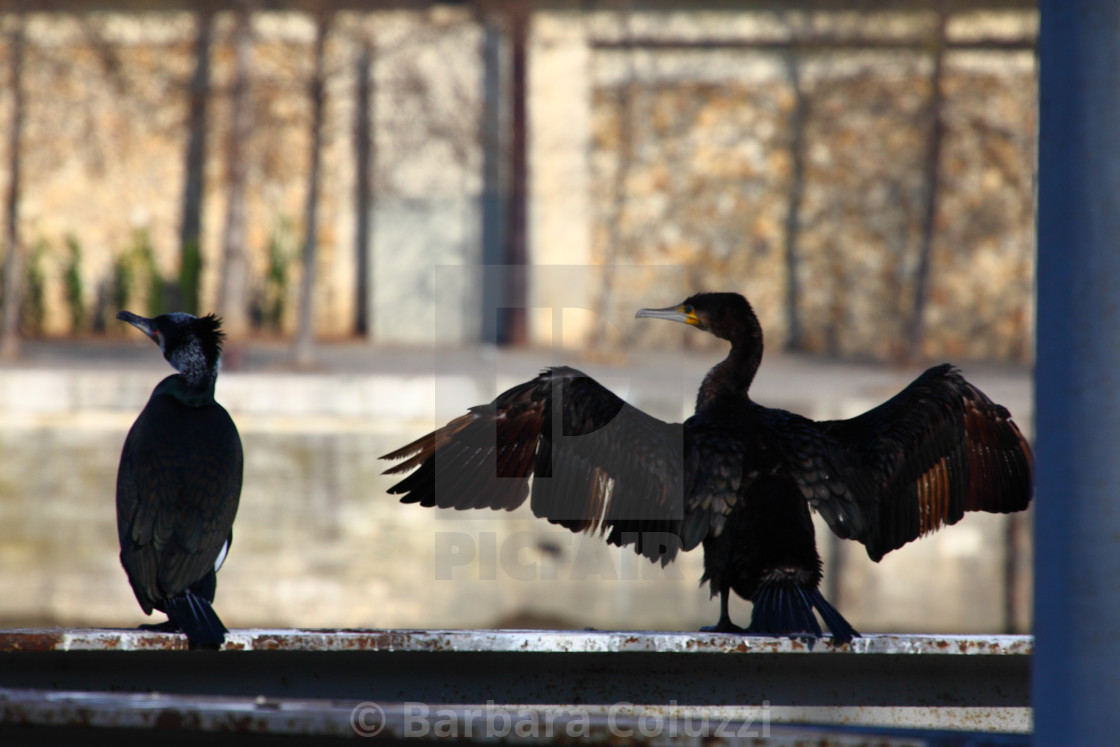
x=177 y=496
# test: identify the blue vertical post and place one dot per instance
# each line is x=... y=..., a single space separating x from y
x=1076 y=676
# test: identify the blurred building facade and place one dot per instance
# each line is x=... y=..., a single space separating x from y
x=865 y=175
x=784 y=150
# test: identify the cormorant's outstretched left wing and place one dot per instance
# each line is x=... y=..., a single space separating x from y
x=938 y=448
x=597 y=463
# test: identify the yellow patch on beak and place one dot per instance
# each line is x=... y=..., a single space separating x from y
x=689 y=314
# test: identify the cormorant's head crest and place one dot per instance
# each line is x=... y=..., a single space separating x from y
x=210 y=334
x=193 y=345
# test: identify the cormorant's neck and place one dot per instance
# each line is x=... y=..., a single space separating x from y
x=190 y=393
x=732 y=376
x=197 y=372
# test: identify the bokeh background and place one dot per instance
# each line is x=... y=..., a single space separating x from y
x=401 y=208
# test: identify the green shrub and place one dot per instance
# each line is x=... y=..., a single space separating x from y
x=270 y=299
x=72 y=285
x=34 y=311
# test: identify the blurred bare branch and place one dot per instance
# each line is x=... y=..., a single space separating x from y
x=13 y=275
x=305 y=332
x=190 y=227
x=233 y=301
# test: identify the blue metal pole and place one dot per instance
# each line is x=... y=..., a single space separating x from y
x=1076 y=678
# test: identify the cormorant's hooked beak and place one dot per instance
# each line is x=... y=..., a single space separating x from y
x=683 y=313
x=145 y=325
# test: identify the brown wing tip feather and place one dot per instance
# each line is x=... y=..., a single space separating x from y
x=999 y=458
x=419 y=450
x=410 y=449
x=425 y=446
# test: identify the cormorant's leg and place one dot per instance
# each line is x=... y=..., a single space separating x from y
x=724 y=625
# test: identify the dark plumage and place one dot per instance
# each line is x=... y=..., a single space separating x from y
x=736 y=477
x=179 y=482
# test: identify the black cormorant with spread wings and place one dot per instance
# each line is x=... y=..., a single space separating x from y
x=179 y=482
x=736 y=477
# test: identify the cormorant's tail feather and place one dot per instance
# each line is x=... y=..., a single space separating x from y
x=782 y=609
x=194 y=616
x=842 y=632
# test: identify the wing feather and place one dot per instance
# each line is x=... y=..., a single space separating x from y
x=596 y=464
x=935 y=450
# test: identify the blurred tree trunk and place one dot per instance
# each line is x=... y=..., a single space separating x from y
x=916 y=332
x=795 y=337
x=625 y=95
x=233 y=295
x=505 y=169
x=190 y=257
x=495 y=184
x=517 y=250
x=513 y=327
x=305 y=334
x=13 y=270
x=365 y=153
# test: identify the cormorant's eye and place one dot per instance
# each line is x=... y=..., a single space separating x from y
x=688 y=308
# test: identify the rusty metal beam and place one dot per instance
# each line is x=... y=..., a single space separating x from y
x=81 y=715
x=230 y=719
x=963 y=682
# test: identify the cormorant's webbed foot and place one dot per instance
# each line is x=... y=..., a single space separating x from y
x=723 y=626
x=164 y=627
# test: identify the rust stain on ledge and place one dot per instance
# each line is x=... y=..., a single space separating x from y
x=29 y=640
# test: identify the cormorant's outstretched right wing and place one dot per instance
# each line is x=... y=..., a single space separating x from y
x=938 y=448
x=597 y=463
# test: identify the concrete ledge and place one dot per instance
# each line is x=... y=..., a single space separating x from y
x=974 y=683
x=510 y=641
